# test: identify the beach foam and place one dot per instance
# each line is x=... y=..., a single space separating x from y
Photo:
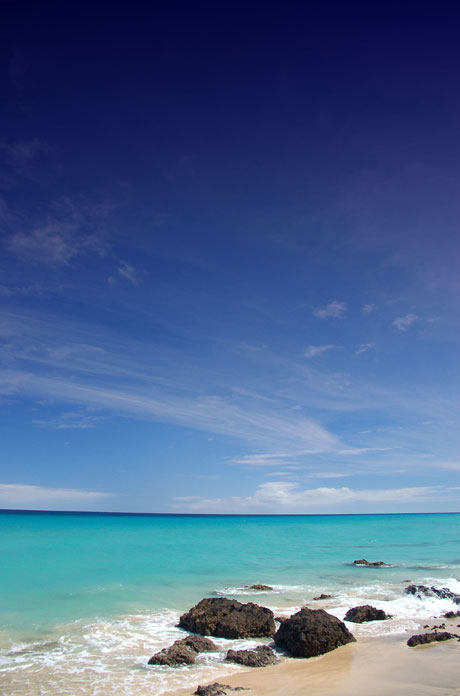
x=111 y=655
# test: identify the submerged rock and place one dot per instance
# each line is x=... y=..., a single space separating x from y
x=217 y=689
x=322 y=596
x=312 y=632
x=441 y=592
x=228 y=618
x=183 y=652
x=423 y=638
x=259 y=657
x=257 y=586
x=365 y=613
x=373 y=564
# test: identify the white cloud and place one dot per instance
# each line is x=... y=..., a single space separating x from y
x=313 y=351
x=403 y=323
x=363 y=348
x=54 y=243
x=368 y=308
x=21 y=153
x=70 y=420
x=286 y=496
x=326 y=475
x=213 y=414
x=21 y=495
x=19 y=290
x=125 y=271
x=334 y=310
x=67 y=231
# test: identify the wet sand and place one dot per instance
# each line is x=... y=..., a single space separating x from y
x=380 y=666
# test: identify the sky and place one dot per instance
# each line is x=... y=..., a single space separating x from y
x=229 y=257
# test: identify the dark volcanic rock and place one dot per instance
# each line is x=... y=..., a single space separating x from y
x=312 y=632
x=373 y=564
x=365 y=613
x=259 y=657
x=441 y=592
x=199 y=644
x=451 y=614
x=217 y=689
x=423 y=638
x=183 y=652
x=177 y=654
x=257 y=586
x=322 y=596
x=227 y=618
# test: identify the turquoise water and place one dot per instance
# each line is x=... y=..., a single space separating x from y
x=64 y=571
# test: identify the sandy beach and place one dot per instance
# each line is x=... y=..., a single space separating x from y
x=377 y=666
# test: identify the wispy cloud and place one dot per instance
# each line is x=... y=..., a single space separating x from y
x=20 y=290
x=125 y=272
x=209 y=413
x=67 y=231
x=23 y=495
x=363 y=348
x=403 y=323
x=314 y=351
x=334 y=310
x=70 y=420
x=22 y=153
x=368 y=308
x=287 y=496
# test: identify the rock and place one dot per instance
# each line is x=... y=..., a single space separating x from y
x=217 y=689
x=200 y=644
x=373 y=564
x=451 y=614
x=365 y=613
x=322 y=596
x=265 y=588
x=441 y=592
x=183 y=652
x=423 y=638
x=177 y=654
x=228 y=618
x=312 y=632
x=280 y=619
x=259 y=657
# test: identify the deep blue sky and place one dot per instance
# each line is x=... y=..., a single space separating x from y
x=229 y=269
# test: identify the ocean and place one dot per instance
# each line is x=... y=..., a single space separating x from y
x=86 y=599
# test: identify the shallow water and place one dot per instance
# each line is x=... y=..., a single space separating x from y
x=85 y=600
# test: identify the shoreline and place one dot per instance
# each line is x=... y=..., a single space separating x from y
x=373 y=666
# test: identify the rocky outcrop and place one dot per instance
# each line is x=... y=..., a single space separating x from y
x=373 y=564
x=365 y=613
x=217 y=689
x=441 y=592
x=177 y=654
x=423 y=638
x=183 y=652
x=257 y=586
x=200 y=644
x=228 y=618
x=452 y=614
x=259 y=657
x=312 y=632
x=322 y=596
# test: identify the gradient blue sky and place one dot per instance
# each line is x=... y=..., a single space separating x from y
x=229 y=268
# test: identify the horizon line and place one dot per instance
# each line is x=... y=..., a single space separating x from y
x=219 y=514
